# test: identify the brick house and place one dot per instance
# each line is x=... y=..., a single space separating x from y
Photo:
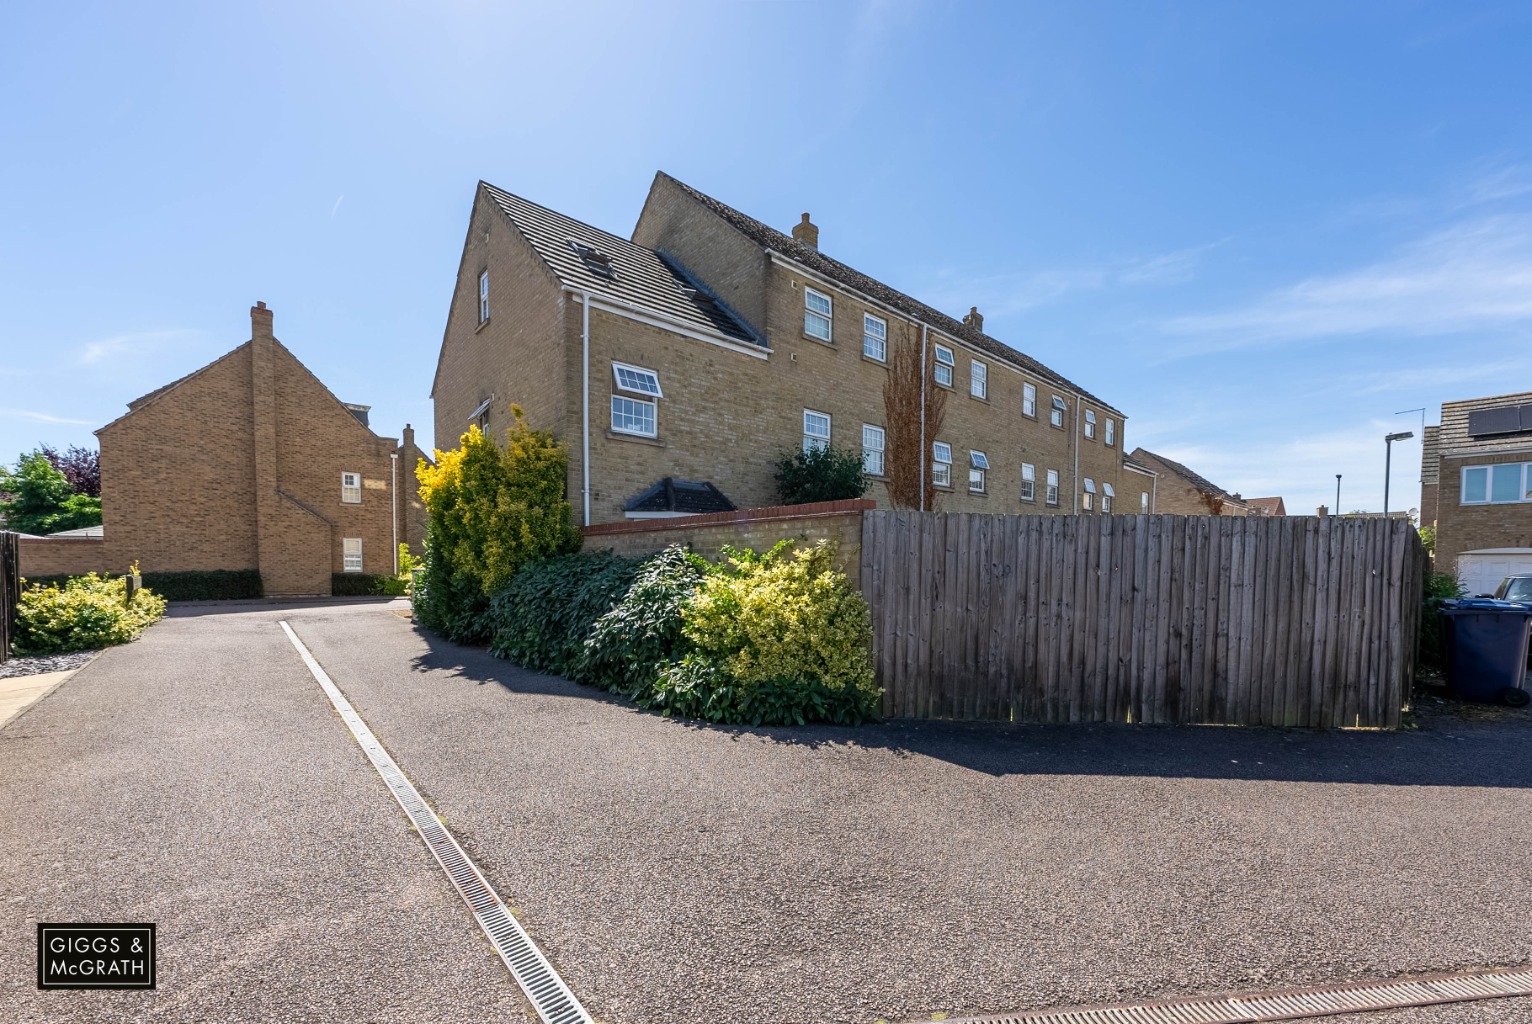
x=1273 y=506
x=1180 y=491
x=1476 y=488
x=251 y=463
x=708 y=344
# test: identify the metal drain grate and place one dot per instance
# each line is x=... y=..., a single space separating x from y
x=1293 y=1005
x=554 y=1003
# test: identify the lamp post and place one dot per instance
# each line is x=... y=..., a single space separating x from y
x=1388 y=453
x=1337 y=494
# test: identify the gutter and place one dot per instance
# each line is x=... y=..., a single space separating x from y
x=923 y=456
x=585 y=400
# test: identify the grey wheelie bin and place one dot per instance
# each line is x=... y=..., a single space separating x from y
x=1486 y=646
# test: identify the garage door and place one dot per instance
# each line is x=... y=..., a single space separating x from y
x=1480 y=572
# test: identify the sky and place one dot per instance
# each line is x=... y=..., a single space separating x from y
x=1264 y=231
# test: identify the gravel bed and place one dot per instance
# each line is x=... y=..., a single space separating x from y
x=38 y=664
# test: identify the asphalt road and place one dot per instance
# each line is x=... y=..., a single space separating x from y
x=198 y=778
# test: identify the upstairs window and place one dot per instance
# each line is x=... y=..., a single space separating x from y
x=637 y=380
x=1495 y=485
x=351 y=554
x=1029 y=400
x=941 y=464
x=1111 y=431
x=872 y=449
x=978 y=379
x=1090 y=424
x=1051 y=496
x=1056 y=415
x=817 y=312
x=944 y=365
x=978 y=467
x=633 y=416
x=1028 y=482
x=874 y=337
x=1143 y=502
x=351 y=488
x=816 y=430
x=484 y=297
x=1107 y=494
x=1089 y=499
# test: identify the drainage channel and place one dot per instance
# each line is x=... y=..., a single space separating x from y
x=1294 y=1004
x=554 y=1003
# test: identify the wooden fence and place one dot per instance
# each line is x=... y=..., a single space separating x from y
x=1251 y=621
x=10 y=590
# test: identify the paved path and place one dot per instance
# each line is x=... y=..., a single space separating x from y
x=672 y=873
x=17 y=693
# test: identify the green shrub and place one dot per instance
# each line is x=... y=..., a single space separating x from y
x=367 y=584
x=41 y=500
x=541 y=618
x=629 y=645
x=86 y=613
x=820 y=474
x=491 y=512
x=57 y=580
x=695 y=688
x=1439 y=587
x=205 y=585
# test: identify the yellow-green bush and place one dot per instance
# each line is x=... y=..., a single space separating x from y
x=86 y=613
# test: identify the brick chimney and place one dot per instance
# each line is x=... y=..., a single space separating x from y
x=260 y=321
x=807 y=232
x=973 y=318
x=407 y=441
x=1321 y=511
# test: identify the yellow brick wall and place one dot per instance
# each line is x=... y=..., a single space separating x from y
x=1462 y=527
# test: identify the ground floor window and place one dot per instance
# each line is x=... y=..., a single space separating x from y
x=1028 y=482
x=351 y=554
x=1052 y=494
x=872 y=449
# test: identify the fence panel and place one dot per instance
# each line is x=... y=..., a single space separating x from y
x=10 y=590
x=1192 y=619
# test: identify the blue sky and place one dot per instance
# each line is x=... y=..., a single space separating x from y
x=1259 y=229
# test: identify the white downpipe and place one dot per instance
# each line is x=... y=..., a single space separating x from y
x=923 y=456
x=393 y=493
x=1076 y=447
x=585 y=400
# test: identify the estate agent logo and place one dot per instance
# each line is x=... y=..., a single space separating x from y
x=95 y=956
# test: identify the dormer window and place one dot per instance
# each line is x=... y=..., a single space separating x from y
x=596 y=261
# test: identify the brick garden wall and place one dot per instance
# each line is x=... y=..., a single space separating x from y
x=75 y=557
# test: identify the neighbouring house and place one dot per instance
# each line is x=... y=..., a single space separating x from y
x=708 y=344
x=248 y=463
x=1266 y=506
x=1476 y=488
x=1180 y=491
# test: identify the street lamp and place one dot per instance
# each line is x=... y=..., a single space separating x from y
x=1388 y=452
x=1337 y=494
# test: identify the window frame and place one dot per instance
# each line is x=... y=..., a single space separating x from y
x=1051 y=488
x=941 y=466
x=1109 y=438
x=978 y=379
x=1029 y=400
x=1057 y=410
x=1143 y=503
x=484 y=296
x=1523 y=490
x=1028 y=482
x=346 y=555
x=346 y=490
x=653 y=418
x=867 y=450
x=617 y=371
x=1090 y=424
x=950 y=364
x=813 y=442
x=881 y=339
x=828 y=316
x=978 y=471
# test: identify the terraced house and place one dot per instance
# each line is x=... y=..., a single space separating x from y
x=708 y=344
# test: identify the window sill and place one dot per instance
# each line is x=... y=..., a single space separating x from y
x=482 y=324
x=949 y=489
x=828 y=343
x=939 y=384
x=978 y=398
x=977 y=494
x=612 y=435
x=878 y=362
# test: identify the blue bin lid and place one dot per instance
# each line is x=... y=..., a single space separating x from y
x=1485 y=604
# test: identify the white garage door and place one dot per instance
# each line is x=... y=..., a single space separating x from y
x=1480 y=572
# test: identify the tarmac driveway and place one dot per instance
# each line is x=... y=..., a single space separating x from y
x=678 y=873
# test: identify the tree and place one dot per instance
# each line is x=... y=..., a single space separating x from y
x=821 y=473
x=907 y=447
x=80 y=466
x=41 y=499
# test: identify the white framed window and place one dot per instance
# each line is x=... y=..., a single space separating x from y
x=1107 y=494
x=1496 y=485
x=1111 y=431
x=1029 y=400
x=483 y=296
x=1090 y=424
x=351 y=488
x=978 y=469
x=637 y=380
x=941 y=464
x=816 y=430
x=351 y=554
x=874 y=337
x=978 y=379
x=818 y=311
x=1088 y=501
x=1056 y=414
x=1051 y=495
x=944 y=365
x=873 y=442
x=1028 y=482
x=1143 y=502
x=633 y=416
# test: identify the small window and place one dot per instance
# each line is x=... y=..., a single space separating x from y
x=1106 y=504
x=632 y=416
x=351 y=488
x=872 y=449
x=978 y=379
x=1056 y=416
x=1111 y=431
x=1089 y=501
x=351 y=554
x=484 y=297
x=1090 y=424
x=1051 y=495
x=1029 y=400
x=637 y=379
x=1107 y=494
x=816 y=430
x=978 y=467
x=1143 y=502
x=944 y=365
x=874 y=337
x=941 y=464
x=1028 y=482
x=817 y=312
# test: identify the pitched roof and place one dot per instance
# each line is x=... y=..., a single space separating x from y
x=689 y=496
x=638 y=276
x=1268 y=506
x=770 y=238
x=1198 y=481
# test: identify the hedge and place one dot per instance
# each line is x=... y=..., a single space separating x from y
x=367 y=584
x=86 y=613
x=196 y=585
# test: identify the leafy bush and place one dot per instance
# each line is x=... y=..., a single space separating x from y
x=206 y=584
x=542 y=617
x=695 y=688
x=42 y=500
x=86 y=613
x=820 y=474
x=1439 y=587
x=491 y=512
x=629 y=645
x=365 y=584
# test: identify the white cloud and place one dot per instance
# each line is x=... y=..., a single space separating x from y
x=336 y=207
x=41 y=417
x=137 y=344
